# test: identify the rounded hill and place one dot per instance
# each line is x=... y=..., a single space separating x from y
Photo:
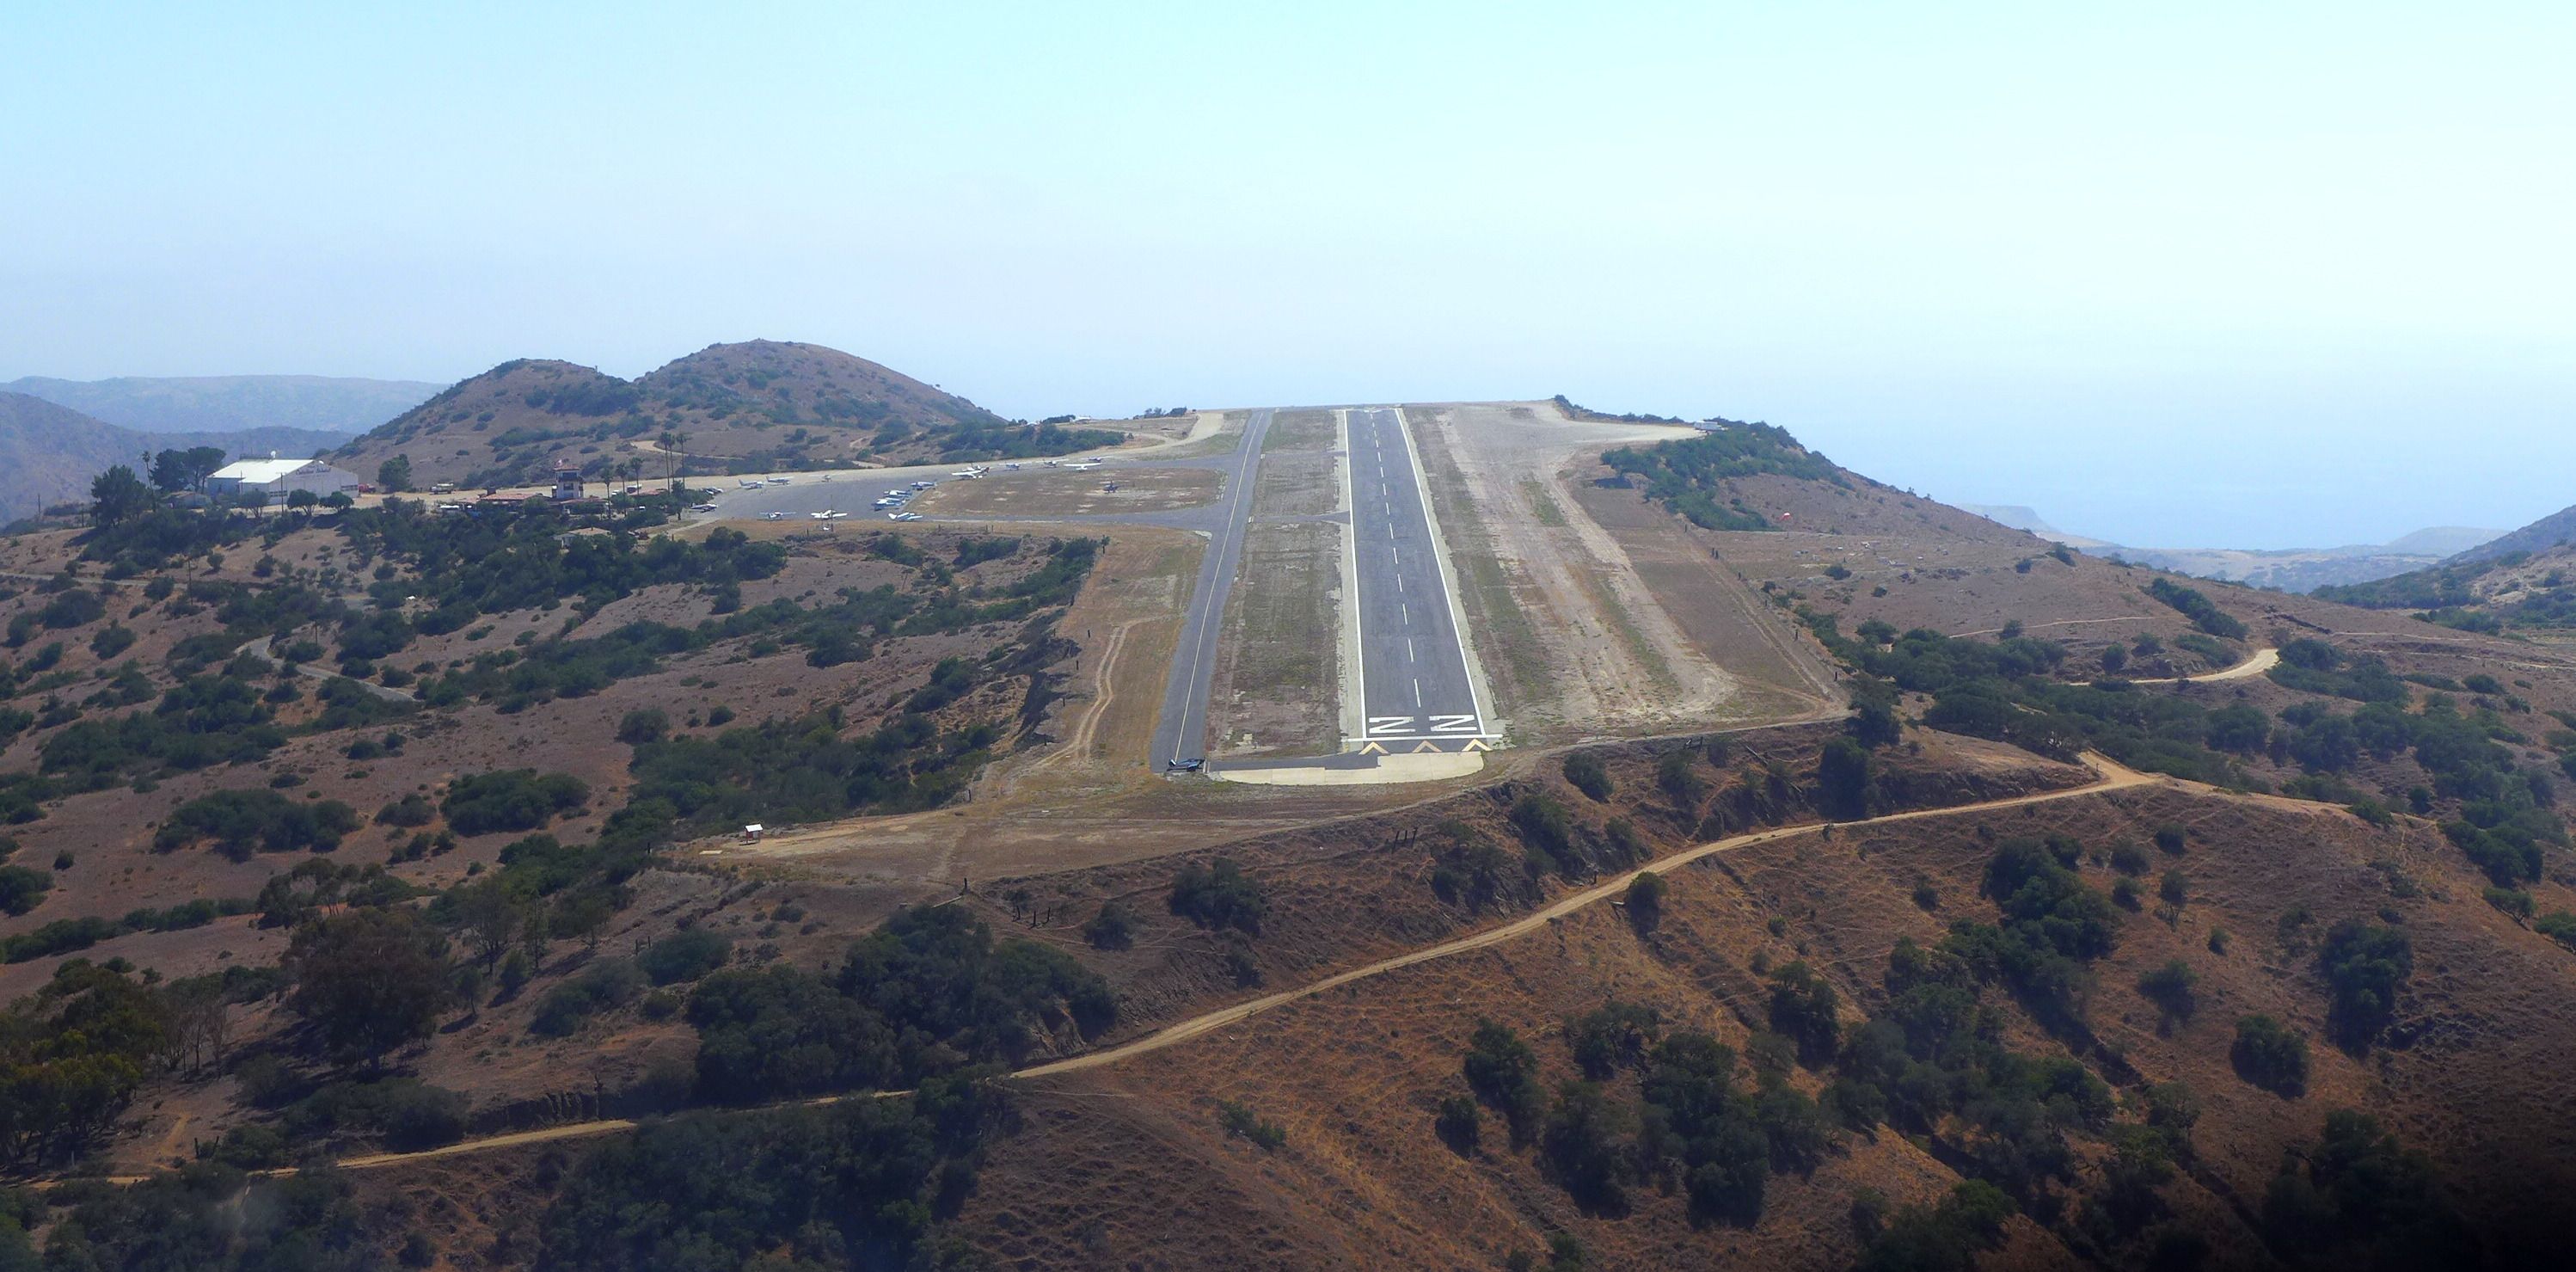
x=756 y=406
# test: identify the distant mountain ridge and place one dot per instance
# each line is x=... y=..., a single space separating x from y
x=2282 y=569
x=2025 y=518
x=231 y=403
x=49 y=453
x=755 y=406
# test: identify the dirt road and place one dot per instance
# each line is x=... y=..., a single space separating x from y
x=2255 y=664
x=2113 y=777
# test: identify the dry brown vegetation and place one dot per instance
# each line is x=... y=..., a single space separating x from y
x=1596 y=613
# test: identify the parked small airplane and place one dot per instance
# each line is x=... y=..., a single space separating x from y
x=923 y=485
x=903 y=516
x=773 y=516
x=749 y=483
x=889 y=503
x=778 y=481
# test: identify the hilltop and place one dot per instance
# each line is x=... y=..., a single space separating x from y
x=2518 y=581
x=2555 y=530
x=231 y=403
x=49 y=453
x=757 y=406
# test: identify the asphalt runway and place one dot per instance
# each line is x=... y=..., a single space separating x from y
x=1415 y=690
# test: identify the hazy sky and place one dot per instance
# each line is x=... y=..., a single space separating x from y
x=2251 y=275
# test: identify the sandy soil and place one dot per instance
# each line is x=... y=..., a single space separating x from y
x=1586 y=649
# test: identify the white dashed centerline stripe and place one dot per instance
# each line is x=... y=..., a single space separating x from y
x=1448 y=585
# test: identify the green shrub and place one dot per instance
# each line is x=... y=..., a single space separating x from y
x=411 y=810
x=1502 y=1071
x=928 y=992
x=860 y=1176
x=684 y=956
x=1644 y=901
x=1804 y=1009
x=511 y=800
x=1843 y=779
x=1111 y=929
x=407 y=1113
x=1218 y=895
x=1239 y=1119
x=1584 y=772
x=2365 y=967
x=2512 y=901
x=2203 y=613
x=1677 y=772
x=2171 y=988
x=648 y=724
x=2356 y=1198
x=22 y=889
x=2270 y=1056
x=605 y=985
x=1460 y=1124
x=1943 y=1238
x=240 y=822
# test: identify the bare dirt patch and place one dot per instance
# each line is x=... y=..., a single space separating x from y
x=1778 y=666
x=1305 y=429
x=1051 y=494
x=1299 y=484
x=1582 y=647
x=1277 y=656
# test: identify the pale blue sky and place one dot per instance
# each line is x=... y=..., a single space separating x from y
x=2189 y=275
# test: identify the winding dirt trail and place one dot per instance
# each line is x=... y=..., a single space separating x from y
x=2255 y=664
x=1104 y=676
x=2112 y=775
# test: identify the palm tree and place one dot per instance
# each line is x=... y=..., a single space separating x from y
x=672 y=440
